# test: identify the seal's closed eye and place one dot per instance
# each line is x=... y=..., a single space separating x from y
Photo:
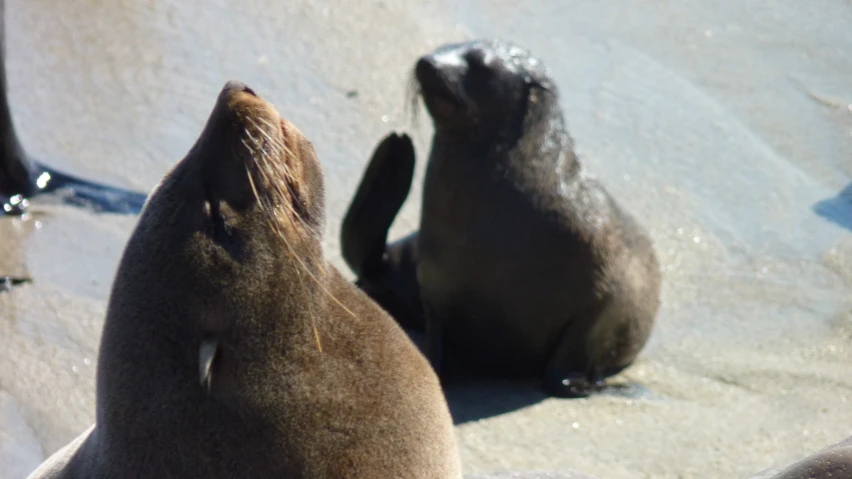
x=220 y=231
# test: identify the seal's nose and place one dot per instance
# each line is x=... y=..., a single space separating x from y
x=235 y=86
x=428 y=71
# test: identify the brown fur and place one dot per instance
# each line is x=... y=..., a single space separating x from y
x=310 y=379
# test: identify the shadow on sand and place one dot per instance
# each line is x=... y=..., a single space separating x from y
x=472 y=399
x=838 y=209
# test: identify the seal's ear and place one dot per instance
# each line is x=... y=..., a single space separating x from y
x=377 y=201
x=206 y=356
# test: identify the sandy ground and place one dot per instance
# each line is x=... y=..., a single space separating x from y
x=726 y=127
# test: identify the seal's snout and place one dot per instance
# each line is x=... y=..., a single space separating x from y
x=439 y=76
x=237 y=86
x=427 y=72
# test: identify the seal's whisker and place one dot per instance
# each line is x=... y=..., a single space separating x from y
x=270 y=211
x=268 y=168
x=411 y=108
x=267 y=208
x=277 y=146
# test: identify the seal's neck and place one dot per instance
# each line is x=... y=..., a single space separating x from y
x=536 y=148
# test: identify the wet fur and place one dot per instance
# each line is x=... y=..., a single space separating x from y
x=525 y=265
x=308 y=379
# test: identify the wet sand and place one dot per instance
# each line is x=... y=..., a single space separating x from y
x=725 y=128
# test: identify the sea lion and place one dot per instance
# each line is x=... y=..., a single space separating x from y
x=833 y=462
x=22 y=178
x=232 y=348
x=525 y=265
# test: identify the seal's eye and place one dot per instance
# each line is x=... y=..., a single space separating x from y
x=220 y=231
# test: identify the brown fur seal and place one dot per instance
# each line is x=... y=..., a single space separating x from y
x=22 y=178
x=525 y=266
x=232 y=348
x=833 y=462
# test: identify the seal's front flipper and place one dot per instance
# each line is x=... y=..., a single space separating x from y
x=571 y=371
x=383 y=189
x=570 y=385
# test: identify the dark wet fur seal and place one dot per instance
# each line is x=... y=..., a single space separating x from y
x=232 y=348
x=22 y=178
x=525 y=266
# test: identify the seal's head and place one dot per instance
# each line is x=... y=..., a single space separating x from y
x=245 y=203
x=220 y=271
x=483 y=86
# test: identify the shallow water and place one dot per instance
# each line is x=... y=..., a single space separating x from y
x=725 y=127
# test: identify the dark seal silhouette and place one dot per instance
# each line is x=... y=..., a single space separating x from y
x=523 y=265
x=232 y=348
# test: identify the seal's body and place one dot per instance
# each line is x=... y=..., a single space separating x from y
x=525 y=266
x=232 y=348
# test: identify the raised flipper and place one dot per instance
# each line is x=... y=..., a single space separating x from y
x=383 y=189
x=387 y=273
